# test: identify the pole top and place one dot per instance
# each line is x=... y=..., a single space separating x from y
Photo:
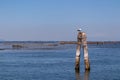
x=79 y=30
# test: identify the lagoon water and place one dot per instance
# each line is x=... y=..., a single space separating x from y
x=58 y=64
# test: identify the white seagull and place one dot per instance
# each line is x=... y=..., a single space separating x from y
x=79 y=29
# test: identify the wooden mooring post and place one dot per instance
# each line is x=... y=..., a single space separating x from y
x=82 y=43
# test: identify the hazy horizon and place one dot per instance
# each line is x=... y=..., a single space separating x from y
x=58 y=20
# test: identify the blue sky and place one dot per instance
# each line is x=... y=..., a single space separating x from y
x=59 y=19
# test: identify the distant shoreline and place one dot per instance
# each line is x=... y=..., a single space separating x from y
x=90 y=42
x=37 y=45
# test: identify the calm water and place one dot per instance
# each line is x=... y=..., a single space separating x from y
x=59 y=64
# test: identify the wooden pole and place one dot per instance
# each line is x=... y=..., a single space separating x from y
x=85 y=49
x=77 y=57
x=81 y=38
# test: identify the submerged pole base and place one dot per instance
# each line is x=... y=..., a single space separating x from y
x=77 y=68
x=77 y=62
x=87 y=65
x=87 y=69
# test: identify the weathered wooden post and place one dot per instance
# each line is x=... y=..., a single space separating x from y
x=81 y=38
x=85 y=49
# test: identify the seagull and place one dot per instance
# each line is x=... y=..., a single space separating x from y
x=79 y=29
